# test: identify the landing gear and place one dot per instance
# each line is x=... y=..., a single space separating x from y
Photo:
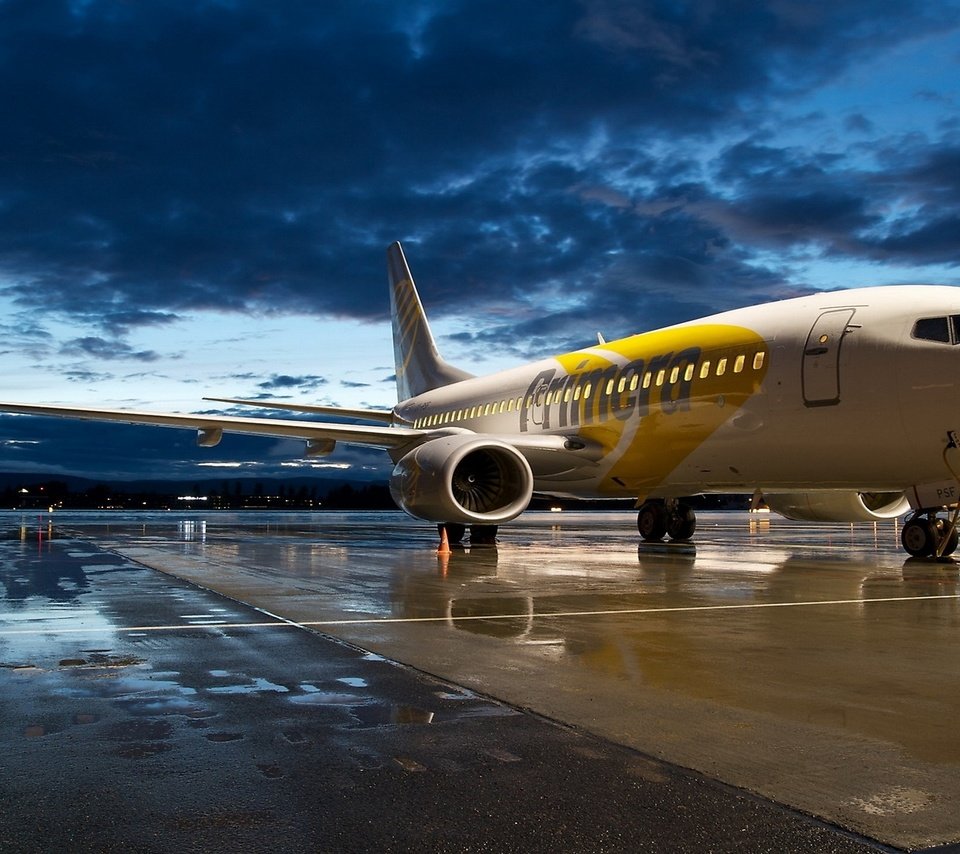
x=483 y=535
x=455 y=532
x=924 y=535
x=480 y=535
x=656 y=518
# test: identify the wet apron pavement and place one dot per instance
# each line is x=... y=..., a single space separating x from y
x=138 y=712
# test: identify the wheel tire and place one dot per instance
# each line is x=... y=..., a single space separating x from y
x=455 y=533
x=919 y=537
x=682 y=522
x=652 y=521
x=483 y=535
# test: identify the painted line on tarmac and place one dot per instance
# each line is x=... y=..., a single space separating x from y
x=536 y=615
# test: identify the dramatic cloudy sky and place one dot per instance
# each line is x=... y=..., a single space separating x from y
x=196 y=195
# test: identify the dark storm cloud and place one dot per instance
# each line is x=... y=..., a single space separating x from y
x=286 y=381
x=891 y=202
x=166 y=157
x=101 y=348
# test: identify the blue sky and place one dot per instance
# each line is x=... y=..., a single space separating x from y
x=195 y=197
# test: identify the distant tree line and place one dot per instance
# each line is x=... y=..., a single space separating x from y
x=236 y=495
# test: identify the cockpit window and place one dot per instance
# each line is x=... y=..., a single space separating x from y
x=943 y=329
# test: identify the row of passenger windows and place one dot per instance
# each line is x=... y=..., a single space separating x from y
x=583 y=392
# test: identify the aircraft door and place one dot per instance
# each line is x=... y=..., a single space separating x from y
x=821 y=357
x=538 y=404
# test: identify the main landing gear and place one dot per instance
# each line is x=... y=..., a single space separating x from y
x=480 y=535
x=926 y=535
x=671 y=518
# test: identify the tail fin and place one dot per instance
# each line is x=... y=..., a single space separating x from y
x=419 y=366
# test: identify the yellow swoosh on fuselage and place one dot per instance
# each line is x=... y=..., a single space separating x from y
x=684 y=392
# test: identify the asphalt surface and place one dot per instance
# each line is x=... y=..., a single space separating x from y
x=139 y=712
x=812 y=665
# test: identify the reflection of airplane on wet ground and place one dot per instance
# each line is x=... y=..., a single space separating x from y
x=839 y=406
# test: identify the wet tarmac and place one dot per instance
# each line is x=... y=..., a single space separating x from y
x=780 y=687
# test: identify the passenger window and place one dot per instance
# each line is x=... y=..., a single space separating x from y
x=576 y=393
x=558 y=395
x=738 y=364
x=586 y=390
x=661 y=375
x=566 y=395
x=609 y=388
x=634 y=382
x=932 y=329
x=705 y=369
x=621 y=385
x=646 y=379
x=688 y=373
x=721 y=367
x=758 y=361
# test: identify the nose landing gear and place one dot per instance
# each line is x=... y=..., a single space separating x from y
x=926 y=535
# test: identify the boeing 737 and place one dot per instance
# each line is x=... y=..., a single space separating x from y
x=840 y=406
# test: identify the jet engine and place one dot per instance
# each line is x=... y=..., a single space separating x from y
x=838 y=506
x=464 y=479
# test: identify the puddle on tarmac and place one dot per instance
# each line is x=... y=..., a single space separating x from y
x=223 y=736
x=353 y=682
x=141 y=751
x=365 y=712
x=258 y=686
x=271 y=771
x=382 y=715
x=327 y=698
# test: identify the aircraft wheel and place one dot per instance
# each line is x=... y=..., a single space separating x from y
x=682 y=522
x=483 y=535
x=919 y=537
x=652 y=521
x=455 y=532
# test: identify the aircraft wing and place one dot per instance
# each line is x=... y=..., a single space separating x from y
x=360 y=434
x=381 y=416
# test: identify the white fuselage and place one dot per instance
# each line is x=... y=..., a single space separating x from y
x=831 y=391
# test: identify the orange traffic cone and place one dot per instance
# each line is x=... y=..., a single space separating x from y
x=444 y=541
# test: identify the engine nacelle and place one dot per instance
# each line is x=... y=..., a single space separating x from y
x=464 y=479
x=829 y=506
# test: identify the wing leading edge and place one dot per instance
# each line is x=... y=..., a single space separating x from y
x=380 y=416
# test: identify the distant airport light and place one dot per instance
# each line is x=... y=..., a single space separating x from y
x=192 y=498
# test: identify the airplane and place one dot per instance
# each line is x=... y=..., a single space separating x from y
x=840 y=406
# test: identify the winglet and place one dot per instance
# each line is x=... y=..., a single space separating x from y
x=418 y=363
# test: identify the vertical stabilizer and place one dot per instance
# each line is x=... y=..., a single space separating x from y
x=419 y=366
